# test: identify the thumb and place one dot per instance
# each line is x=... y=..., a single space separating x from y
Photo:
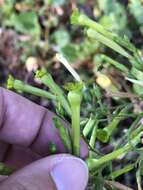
x=56 y=172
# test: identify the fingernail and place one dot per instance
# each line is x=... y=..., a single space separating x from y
x=70 y=174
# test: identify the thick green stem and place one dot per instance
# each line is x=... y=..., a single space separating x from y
x=105 y=133
x=95 y=163
x=47 y=79
x=92 y=140
x=21 y=86
x=81 y=19
x=108 y=42
x=109 y=37
x=93 y=135
x=76 y=130
x=64 y=134
x=121 y=171
x=116 y=64
x=75 y=97
x=88 y=126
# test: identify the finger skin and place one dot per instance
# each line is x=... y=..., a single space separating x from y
x=3 y=150
x=50 y=173
x=2 y=107
x=19 y=157
x=3 y=177
x=24 y=123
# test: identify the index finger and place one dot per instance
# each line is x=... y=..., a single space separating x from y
x=25 y=123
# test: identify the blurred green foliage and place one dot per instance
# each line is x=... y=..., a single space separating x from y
x=25 y=22
x=114 y=16
x=42 y=28
x=41 y=20
x=136 y=9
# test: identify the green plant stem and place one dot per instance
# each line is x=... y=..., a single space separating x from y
x=47 y=79
x=95 y=163
x=116 y=185
x=100 y=32
x=75 y=97
x=93 y=138
x=93 y=135
x=76 y=130
x=136 y=131
x=116 y=64
x=88 y=126
x=64 y=134
x=81 y=19
x=105 y=133
x=108 y=42
x=138 y=179
x=122 y=171
x=21 y=86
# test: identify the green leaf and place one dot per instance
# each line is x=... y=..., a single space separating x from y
x=136 y=8
x=114 y=16
x=70 y=51
x=62 y=37
x=7 y=8
x=25 y=22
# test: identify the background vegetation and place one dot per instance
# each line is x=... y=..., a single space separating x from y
x=33 y=31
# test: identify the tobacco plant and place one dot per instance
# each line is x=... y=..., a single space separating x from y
x=94 y=126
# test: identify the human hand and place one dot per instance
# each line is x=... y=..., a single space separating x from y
x=25 y=132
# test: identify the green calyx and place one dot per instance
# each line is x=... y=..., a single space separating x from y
x=16 y=84
x=73 y=86
x=10 y=82
x=40 y=73
x=75 y=97
x=75 y=93
x=23 y=87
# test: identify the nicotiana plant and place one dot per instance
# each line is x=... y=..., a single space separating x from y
x=95 y=126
